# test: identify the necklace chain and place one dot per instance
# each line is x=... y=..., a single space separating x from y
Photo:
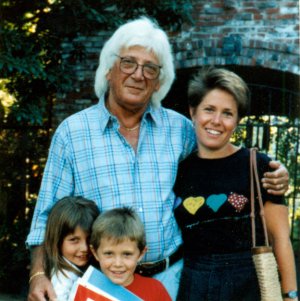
x=130 y=129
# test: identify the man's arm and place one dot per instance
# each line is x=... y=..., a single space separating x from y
x=57 y=182
x=277 y=181
x=40 y=286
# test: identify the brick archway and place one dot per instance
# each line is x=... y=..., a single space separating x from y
x=255 y=33
x=273 y=92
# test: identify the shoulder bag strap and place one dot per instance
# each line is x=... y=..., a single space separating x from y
x=254 y=183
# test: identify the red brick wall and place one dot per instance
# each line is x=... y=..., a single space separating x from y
x=225 y=32
x=238 y=32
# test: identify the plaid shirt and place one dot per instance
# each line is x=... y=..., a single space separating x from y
x=89 y=157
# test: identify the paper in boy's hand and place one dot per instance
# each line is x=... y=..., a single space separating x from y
x=95 y=286
x=84 y=293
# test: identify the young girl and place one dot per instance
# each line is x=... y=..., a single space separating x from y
x=66 y=246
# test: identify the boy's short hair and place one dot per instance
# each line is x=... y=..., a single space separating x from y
x=118 y=225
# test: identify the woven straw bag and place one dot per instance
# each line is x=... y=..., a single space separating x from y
x=263 y=256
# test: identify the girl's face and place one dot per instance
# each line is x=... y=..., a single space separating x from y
x=215 y=120
x=118 y=260
x=75 y=247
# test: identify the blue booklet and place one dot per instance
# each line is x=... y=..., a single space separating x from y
x=94 y=285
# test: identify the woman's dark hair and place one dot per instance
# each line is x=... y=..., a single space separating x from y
x=212 y=78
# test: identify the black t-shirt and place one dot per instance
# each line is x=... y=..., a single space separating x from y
x=213 y=203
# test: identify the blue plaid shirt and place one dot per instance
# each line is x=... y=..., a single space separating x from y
x=89 y=157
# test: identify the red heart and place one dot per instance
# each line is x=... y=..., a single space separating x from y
x=238 y=201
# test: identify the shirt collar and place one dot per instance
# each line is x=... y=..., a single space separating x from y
x=104 y=114
x=107 y=119
x=73 y=265
x=152 y=114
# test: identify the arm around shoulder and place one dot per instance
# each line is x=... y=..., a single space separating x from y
x=276 y=182
x=40 y=286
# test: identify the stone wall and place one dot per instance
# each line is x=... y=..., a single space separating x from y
x=225 y=32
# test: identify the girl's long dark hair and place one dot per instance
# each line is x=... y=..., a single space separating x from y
x=67 y=214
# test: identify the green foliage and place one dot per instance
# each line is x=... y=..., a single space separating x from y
x=14 y=258
x=279 y=137
x=22 y=158
x=31 y=36
x=33 y=71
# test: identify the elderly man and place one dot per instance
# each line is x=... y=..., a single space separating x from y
x=124 y=151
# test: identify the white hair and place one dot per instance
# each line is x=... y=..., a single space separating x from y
x=140 y=32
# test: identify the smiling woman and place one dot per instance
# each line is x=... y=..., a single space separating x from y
x=215 y=120
x=213 y=190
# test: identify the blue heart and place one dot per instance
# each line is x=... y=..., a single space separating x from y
x=215 y=201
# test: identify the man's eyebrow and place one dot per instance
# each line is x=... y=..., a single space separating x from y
x=134 y=58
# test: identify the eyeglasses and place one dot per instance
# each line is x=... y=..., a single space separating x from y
x=129 y=66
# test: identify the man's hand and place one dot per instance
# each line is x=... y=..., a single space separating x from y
x=276 y=182
x=40 y=288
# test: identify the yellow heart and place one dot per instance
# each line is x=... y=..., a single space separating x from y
x=192 y=204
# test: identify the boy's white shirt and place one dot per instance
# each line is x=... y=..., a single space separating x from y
x=63 y=284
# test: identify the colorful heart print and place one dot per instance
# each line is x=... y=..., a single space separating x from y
x=238 y=201
x=215 y=201
x=192 y=204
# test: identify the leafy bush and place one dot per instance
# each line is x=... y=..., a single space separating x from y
x=22 y=158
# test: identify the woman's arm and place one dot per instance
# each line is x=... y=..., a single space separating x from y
x=279 y=230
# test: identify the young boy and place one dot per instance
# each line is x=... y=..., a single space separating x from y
x=118 y=243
